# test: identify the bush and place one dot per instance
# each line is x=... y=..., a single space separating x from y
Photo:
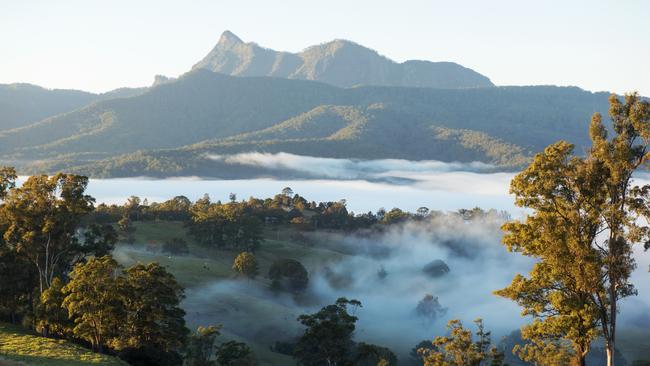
x=288 y=274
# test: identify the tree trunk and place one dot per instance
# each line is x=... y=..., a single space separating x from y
x=610 y=356
x=610 y=343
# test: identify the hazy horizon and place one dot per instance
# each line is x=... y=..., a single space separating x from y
x=100 y=47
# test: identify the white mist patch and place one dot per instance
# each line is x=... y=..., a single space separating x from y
x=347 y=168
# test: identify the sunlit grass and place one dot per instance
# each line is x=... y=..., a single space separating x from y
x=17 y=344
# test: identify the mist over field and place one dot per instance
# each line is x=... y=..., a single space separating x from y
x=478 y=265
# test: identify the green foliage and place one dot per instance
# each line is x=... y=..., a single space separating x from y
x=42 y=217
x=246 y=264
x=17 y=283
x=94 y=299
x=327 y=339
x=584 y=223
x=288 y=274
x=99 y=239
x=136 y=309
x=460 y=348
x=51 y=318
x=152 y=302
x=233 y=353
x=229 y=225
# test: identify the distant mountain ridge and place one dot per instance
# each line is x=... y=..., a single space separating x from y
x=340 y=63
x=170 y=128
x=22 y=104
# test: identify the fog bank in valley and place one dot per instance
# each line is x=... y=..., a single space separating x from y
x=386 y=273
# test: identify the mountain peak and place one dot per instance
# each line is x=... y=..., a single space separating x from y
x=229 y=38
x=340 y=62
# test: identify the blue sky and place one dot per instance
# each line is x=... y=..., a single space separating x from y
x=102 y=45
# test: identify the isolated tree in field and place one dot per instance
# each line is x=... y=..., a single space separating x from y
x=327 y=339
x=153 y=315
x=288 y=274
x=460 y=348
x=94 y=300
x=246 y=264
x=42 y=217
x=582 y=229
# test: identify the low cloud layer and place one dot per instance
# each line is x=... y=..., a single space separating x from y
x=317 y=167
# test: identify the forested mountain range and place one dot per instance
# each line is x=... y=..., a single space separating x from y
x=175 y=125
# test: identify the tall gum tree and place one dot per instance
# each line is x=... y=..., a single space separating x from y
x=42 y=217
x=586 y=217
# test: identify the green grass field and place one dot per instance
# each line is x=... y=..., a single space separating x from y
x=19 y=347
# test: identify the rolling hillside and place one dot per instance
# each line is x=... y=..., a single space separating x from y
x=178 y=122
x=24 y=104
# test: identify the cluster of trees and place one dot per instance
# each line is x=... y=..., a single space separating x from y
x=231 y=225
x=57 y=276
x=110 y=307
x=239 y=225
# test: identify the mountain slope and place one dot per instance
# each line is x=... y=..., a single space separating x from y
x=24 y=104
x=345 y=132
x=21 y=104
x=341 y=63
x=208 y=113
